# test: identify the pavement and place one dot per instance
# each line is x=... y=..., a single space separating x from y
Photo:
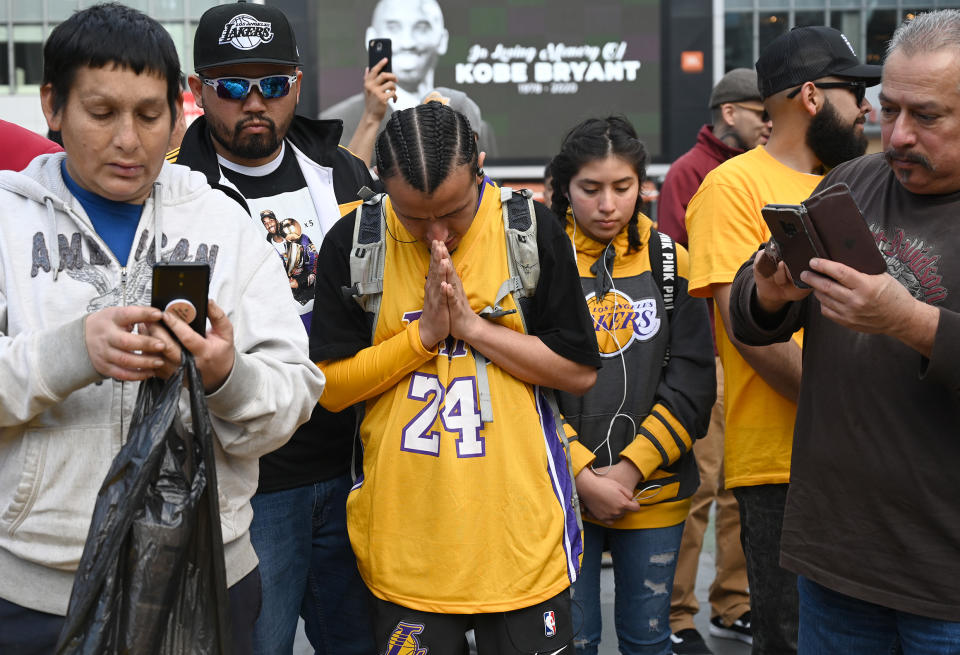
x=608 y=645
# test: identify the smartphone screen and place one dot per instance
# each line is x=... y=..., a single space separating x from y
x=377 y=49
x=182 y=288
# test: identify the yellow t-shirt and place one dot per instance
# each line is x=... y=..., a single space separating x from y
x=725 y=227
x=453 y=514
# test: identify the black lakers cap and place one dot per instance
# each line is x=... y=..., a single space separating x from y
x=805 y=54
x=244 y=33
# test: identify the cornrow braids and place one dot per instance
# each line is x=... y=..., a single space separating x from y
x=598 y=138
x=424 y=144
x=431 y=145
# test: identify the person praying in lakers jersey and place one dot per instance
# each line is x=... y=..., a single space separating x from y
x=464 y=516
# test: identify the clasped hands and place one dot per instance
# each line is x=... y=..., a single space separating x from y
x=129 y=343
x=607 y=494
x=446 y=309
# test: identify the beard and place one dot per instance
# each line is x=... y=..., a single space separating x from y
x=831 y=140
x=253 y=146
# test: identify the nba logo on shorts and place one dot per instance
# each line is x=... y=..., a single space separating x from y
x=550 y=624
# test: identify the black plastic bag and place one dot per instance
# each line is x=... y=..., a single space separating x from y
x=152 y=579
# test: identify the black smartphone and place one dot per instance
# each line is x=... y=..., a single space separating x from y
x=182 y=288
x=377 y=49
x=793 y=241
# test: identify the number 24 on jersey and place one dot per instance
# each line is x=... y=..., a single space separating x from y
x=455 y=406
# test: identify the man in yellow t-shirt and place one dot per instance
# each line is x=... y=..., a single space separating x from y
x=813 y=89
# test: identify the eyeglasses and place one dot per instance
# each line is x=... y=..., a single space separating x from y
x=761 y=113
x=238 y=88
x=857 y=87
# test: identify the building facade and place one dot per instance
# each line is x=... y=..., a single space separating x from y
x=749 y=25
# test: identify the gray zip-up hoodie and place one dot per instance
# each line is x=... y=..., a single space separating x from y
x=61 y=423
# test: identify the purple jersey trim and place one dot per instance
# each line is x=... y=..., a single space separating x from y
x=483 y=186
x=562 y=483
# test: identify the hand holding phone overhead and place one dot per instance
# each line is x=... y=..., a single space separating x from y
x=378 y=49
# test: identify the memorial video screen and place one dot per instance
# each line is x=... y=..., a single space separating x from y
x=533 y=67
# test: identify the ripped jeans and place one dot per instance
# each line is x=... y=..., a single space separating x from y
x=644 y=562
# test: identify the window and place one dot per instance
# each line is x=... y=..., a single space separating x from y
x=164 y=10
x=880 y=26
x=60 y=10
x=27 y=56
x=809 y=18
x=4 y=60
x=848 y=22
x=771 y=25
x=738 y=40
x=184 y=51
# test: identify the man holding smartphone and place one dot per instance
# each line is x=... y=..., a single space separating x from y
x=813 y=87
x=288 y=174
x=872 y=524
x=77 y=332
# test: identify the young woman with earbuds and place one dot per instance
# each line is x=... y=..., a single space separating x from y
x=632 y=433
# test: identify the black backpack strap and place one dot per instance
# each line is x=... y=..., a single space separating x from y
x=367 y=256
x=663 y=267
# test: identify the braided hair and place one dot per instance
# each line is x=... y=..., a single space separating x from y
x=425 y=144
x=598 y=138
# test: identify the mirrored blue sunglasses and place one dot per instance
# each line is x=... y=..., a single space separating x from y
x=238 y=88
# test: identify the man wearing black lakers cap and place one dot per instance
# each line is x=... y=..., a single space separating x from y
x=252 y=146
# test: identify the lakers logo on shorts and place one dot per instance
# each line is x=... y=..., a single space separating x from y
x=404 y=640
x=619 y=320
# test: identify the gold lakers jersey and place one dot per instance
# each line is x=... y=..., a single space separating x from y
x=453 y=514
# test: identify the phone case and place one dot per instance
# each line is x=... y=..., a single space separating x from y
x=839 y=231
x=182 y=288
x=377 y=49
x=828 y=225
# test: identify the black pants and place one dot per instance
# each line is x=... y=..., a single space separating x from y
x=773 y=590
x=544 y=629
x=25 y=631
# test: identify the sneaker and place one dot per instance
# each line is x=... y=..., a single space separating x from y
x=689 y=642
x=739 y=629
